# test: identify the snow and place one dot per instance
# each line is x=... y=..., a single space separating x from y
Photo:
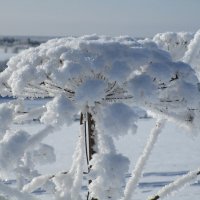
x=137 y=172
x=12 y=148
x=44 y=154
x=71 y=62
x=107 y=165
x=106 y=77
x=59 y=111
x=182 y=46
x=143 y=88
x=175 y=161
x=90 y=91
x=14 y=193
x=122 y=123
x=175 y=43
x=174 y=186
x=68 y=185
x=36 y=183
x=149 y=75
x=192 y=55
x=6 y=117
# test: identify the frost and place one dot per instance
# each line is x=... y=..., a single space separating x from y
x=108 y=174
x=137 y=172
x=14 y=145
x=68 y=185
x=119 y=71
x=43 y=155
x=175 y=43
x=36 y=183
x=58 y=111
x=118 y=119
x=107 y=80
x=192 y=55
x=63 y=64
x=12 y=148
x=6 y=117
x=90 y=91
x=14 y=193
x=177 y=184
x=142 y=88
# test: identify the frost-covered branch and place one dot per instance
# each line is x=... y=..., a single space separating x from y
x=137 y=172
x=176 y=185
x=39 y=136
x=30 y=115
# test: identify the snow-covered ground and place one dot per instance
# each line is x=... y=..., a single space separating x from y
x=176 y=152
x=5 y=56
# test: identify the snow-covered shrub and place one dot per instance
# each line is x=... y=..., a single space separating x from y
x=107 y=80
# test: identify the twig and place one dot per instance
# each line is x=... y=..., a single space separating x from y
x=137 y=172
x=177 y=184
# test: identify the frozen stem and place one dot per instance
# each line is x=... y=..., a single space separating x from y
x=137 y=172
x=176 y=185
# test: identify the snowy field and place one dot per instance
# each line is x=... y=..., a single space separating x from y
x=5 y=56
x=175 y=153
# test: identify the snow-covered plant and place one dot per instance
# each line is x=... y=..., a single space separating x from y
x=175 y=43
x=104 y=79
x=20 y=151
x=192 y=55
x=182 y=46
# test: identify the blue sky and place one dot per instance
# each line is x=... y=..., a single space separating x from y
x=109 y=17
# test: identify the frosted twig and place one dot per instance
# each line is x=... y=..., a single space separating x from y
x=31 y=115
x=177 y=184
x=137 y=172
x=39 y=136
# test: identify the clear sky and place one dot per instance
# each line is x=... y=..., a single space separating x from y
x=108 y=17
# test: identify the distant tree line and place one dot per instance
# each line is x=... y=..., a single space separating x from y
x=3 y=65
x=11 y=41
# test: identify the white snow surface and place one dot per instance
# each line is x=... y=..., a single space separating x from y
x=6 y=117
x=165 y=159
x=68 y=185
